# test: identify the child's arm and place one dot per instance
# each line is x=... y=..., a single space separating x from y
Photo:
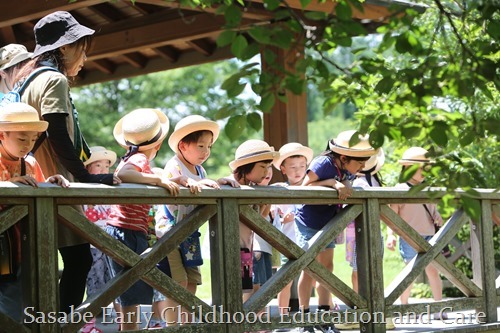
x=343 y=188
x=26 y=180
x=131 y=174
x=228 y=181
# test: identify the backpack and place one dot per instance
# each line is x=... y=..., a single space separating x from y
x=15 y=94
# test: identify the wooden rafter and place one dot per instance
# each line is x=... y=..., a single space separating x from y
x=136 y=59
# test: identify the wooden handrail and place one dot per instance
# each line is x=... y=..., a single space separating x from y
x=224 y=209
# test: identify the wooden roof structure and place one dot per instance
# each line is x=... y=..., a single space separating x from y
x=135 y=37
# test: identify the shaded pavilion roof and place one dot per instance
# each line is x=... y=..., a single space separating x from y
x=143 y=36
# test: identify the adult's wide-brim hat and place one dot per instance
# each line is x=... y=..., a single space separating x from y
x=374 y=163
x=252 y=151
x=12 y=54
x=98 y=153
x=58 y=29
x=341 y=145
x=191 y=124
x=144 y=128
x=21 y=117
x=293 y=149
x=415 y=155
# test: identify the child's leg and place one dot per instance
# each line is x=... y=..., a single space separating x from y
x=130 y=315
x=435 y=282
x=284 y=298
x=304 y=289
x=325 y=258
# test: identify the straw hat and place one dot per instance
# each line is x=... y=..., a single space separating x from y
x=293 y=149
x=98 y=153
x=12 y=54
x=21 y=117
x=375 y=163
x=191 y=124
x=415 y=155
x=252 y=151
x=144 y=128
x=340 y=145
x=58 y=29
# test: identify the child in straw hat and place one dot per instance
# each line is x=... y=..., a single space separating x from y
x=141 y=132
x=100 y=162
x=12 y=57
x=421 y=217
x=293 y=161
x=192 y=142
x=253 y=158
x=335 y=168
x=19 y=129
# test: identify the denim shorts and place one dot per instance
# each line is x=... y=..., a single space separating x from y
x=406 y=251
x=262 y=268
x=140 y=292
x=11 y=297
x=303 y=234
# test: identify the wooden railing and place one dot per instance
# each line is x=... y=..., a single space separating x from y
x=48 y=205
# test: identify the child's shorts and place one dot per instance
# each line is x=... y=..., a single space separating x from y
x=406 y=251
x=262 y=268
x=140 y=292
x=179 y=273
x=11 y=297
x=303 y=234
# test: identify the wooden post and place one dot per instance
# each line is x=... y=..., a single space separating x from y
x=29 y=261
x=46 y=245
x=369 y=259
x=287 y=122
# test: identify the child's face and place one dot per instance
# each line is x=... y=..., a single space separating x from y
x=99 y=167
x=353 y=166
x=197 y=153
x=269 y=175
x=259 y=172
x=294 y=168
x=17 y=144
x=74 y=58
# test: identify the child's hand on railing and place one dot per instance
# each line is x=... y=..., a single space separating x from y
x=228 y=181
x=58 y=180
x=343 y=188
x=26 y=180
x=172 y=187
x=210 y=183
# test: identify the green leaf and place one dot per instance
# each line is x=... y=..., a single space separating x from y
x=267 y=102
x=255 y=121
x=343 y=11
x=408 y=173
x=235 y=126
x=271 y=4
x=316 y=16
x=438 y=135
x=235 y=90
x=239 y=45
x=466 y=137
x=376 y=138
x=230 y=81
x=233 y=15
x=385 y=85
x=250 y=51
x=305 y=3
x=472 y=207
x=260 y=34
x=226 y=38
x=402 y=44
x=411 y=131
x=295 y=84
x=224 y=112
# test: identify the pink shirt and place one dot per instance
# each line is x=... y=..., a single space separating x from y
x=416 y=215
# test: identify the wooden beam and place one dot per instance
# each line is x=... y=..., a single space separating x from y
x=108 y=12
x=104 y=65
x=136 y=59
x=167 y=52
x=202 y=45
x=7 y=35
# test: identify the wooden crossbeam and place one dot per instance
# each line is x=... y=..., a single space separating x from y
x=11 y=215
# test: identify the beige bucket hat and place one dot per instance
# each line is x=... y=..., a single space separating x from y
x=293 y=149
x=252 y=151
x=340 y=145
x=21 y=117
x=375 y=163
x=144 y=128
x=415 y=155
x=98 y=153
x=12 y=54
x=191 y=124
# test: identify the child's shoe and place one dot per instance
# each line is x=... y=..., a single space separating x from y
x=156 y=324
x=90 y=327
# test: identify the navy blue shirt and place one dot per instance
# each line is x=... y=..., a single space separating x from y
x=317 y=216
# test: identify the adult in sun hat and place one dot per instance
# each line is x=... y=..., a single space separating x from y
x=191 y=141
x=335 y=168
x=61 y=46
x=12 y=56
x=424 y=218
x=141 y=132
x=19 y=128
x=252 y=160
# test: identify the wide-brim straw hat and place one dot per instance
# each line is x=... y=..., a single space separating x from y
x=374 y=163
x=144 y=128
x=191 y=124
x=58 y=29
x=362 y=148
x=415 y=155
x=98 y=153
x=21 y=117
x=293 y=149
x=252 y=151
x=12 y=54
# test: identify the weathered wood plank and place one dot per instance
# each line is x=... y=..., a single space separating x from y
x=455 y=305
x=47 y=273
x=29 y=260
x=11 y=216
